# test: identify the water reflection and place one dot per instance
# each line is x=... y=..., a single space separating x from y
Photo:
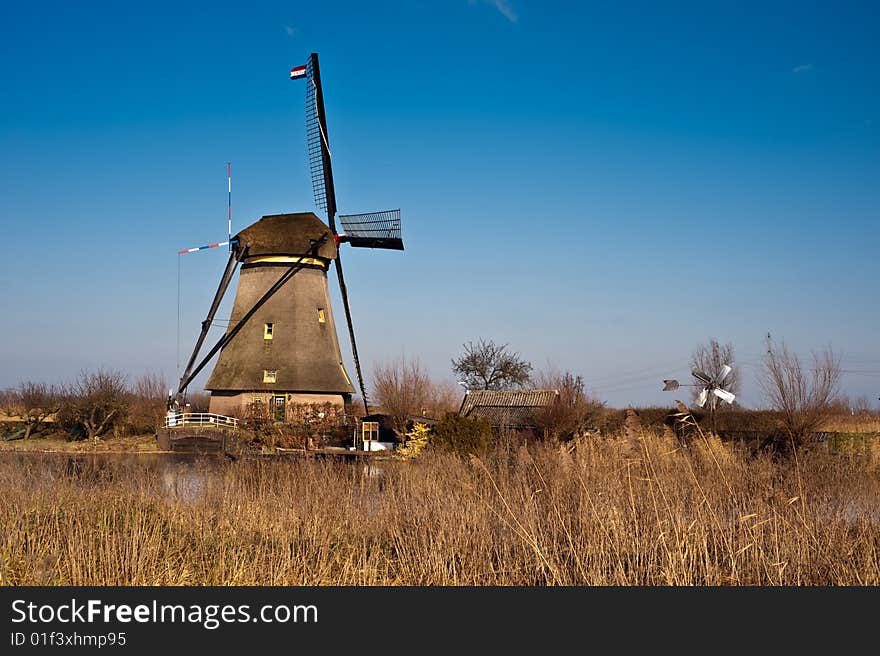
x=177 y=476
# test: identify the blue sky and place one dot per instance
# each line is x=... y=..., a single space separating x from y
x=602 y=186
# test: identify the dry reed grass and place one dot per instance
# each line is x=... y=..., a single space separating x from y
x=868 y=423
x=609 y=512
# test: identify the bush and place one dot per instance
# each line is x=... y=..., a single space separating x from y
x=403 y=389
x=94 y=404
x=463 y=435
x=147 y=404
x=417 y=439
x=802 y=394
x=572 y=413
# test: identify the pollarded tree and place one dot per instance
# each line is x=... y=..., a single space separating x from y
x=486 y=365
x=38 y=402
x=95 y=402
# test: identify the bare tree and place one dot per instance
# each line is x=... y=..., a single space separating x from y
x=10 y=403
x=486 y=365
x=573 y=410
x=709 y=358
x=198 y=401
x=402 y=389
x=38 y=402
x=96 y=401
x=803 y=396
x=148 y=403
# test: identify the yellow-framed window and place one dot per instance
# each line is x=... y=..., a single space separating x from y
x=370 y=431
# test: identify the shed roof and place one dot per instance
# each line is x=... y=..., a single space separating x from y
x=507 y=407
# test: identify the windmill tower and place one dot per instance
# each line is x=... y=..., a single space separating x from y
x=288 y=349
x=281 y=344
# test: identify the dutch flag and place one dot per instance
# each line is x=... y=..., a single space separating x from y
x=298 y=72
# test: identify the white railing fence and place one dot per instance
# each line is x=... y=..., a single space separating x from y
x=181 y=419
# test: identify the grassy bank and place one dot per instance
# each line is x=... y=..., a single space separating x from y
x=608 y=512
x=58 y=442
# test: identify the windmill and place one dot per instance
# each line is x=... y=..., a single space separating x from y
x=281 y=341
x=712 y=389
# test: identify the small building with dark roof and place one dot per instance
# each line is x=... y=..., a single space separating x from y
x=507 y=408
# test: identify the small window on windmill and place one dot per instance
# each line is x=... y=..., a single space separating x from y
x=269 y=375
x=268 y=330
x=322 y=318
x=370 y=431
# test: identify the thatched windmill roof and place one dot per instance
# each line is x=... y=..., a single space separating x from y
x=285 y=234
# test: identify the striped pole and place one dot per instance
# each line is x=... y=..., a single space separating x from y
x=229 y=205
x=201 y=248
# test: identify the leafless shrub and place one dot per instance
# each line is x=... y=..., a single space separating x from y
x=803 y=397
x=94 y=403
x=846 y=406
x=315 y=424
x=148 y=398
x=572 y=412
x=487 y=365
x=445 y=397
x=38 y=402
x=402 y=389
x=10 y=403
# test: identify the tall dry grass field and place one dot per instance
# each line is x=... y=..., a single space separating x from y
x=610 y=512
x=868 y=423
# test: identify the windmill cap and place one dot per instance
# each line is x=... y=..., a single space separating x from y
x=286 y=234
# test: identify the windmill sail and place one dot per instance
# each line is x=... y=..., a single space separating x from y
x=701 y=376
x=321 y=171
x=724 y=395
x=373 y=230
x=701 y=399
x=318 y=142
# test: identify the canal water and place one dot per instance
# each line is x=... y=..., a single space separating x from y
x=179 y=476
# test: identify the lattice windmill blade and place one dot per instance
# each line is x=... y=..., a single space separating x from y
x=703 y=396
x=317 y=140
x=373 y=230
x=725 y=370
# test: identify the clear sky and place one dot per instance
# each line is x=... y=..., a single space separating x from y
x=602 y=186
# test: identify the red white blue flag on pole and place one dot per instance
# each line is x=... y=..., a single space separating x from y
x=298 y=72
